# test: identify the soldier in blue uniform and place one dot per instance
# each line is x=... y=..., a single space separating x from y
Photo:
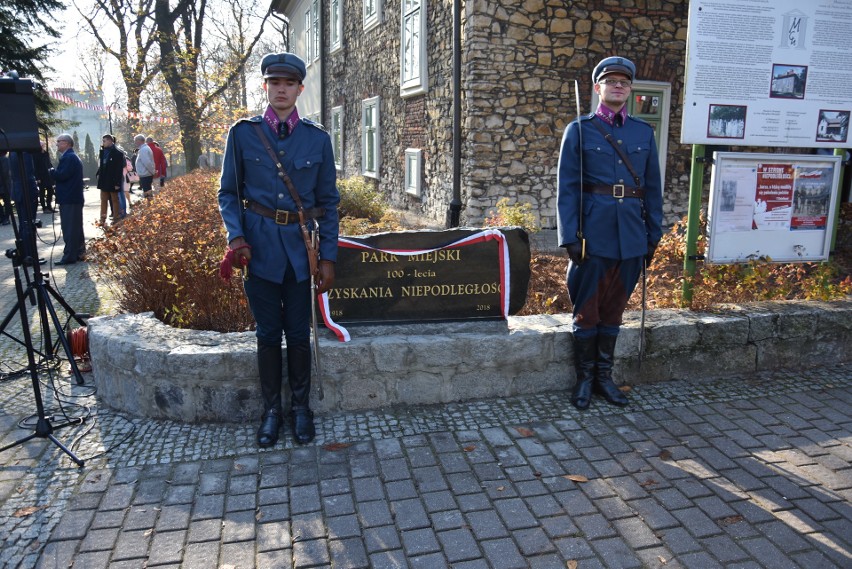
x=261 y=219
x=621 y=223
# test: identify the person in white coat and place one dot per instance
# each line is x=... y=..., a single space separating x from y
x=145 y=166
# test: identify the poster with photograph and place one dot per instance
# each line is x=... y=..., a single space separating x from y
x=764 y=73
x=771 y=206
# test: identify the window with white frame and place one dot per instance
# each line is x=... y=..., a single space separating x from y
x=372 y=13
x=412 y=57
x=336 y=24
x=413 y=171
x=370 y=143
x=309 y=40
x=316 y=29
x=312 y=34
x=337 y=135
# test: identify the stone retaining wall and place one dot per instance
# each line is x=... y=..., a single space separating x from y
x=144 y=367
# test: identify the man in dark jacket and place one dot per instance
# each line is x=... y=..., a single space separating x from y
x=620 y=190
x=69 y=196
x=110 y=177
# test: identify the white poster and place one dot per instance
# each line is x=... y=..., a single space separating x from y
x=771 y=206
x=768 y=73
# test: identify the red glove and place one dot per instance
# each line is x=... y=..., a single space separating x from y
x=226 y=266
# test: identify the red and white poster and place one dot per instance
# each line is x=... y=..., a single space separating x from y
x=773 y=198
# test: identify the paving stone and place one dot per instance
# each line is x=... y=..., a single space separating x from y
x=373 y=514
x=429 y=561
x=167 y=547
x=273 y=536
x=458 y=545
x=382 y=538
x=204 y=530
x=348 y=553
x=409 y=514
x=419 y=541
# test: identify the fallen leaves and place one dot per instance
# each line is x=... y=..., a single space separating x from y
x=525 y=432
x=28 y=511
x=576 y=478
x=730 y=520
x=334 y=447
x=469 y=448
x=665 y=455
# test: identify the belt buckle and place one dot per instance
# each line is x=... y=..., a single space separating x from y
x=616 y=187
x=278 y=213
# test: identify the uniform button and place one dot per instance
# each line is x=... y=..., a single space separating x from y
x=620 y=162
x=308 y=162
x=620 y=200
x=281 y=153
x=621 y=181
x=280 y=196
x=620 y=142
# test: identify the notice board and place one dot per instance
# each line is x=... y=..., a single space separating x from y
x=768 y=73
x=779 y=207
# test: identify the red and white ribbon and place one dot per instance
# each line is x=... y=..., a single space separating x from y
x=479 y=237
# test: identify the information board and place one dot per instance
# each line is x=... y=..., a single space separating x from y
x=771 y=206
x=761 y=73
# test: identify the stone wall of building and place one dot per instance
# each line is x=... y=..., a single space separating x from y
x=521 y=59
x=368 y=66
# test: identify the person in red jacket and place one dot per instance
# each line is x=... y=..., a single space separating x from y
x=159 y=160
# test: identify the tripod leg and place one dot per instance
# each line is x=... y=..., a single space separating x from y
x=45 y=301
x=63 y=448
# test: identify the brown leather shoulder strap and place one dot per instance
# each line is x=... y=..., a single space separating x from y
x=623 y=155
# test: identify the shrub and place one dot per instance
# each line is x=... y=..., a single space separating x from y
x=360 y=200
x=165 y=258
x=512 y=215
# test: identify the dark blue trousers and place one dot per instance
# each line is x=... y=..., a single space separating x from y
x=280 y=308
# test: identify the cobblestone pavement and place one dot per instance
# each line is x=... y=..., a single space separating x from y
x=742 y=472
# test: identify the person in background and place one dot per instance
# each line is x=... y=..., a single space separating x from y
x=266 y=238
x=145 y=166
x=46 y=190
x=68 y=175
x=159 y=160
x=110 y=178
x=621 y=222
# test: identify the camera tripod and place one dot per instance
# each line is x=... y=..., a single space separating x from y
x=23 y=255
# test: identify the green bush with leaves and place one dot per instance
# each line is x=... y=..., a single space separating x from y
x=510 y=214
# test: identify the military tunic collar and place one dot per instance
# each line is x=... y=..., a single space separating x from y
x=273 y=121
x=608 y=115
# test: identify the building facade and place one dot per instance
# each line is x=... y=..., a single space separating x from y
x=383 y=87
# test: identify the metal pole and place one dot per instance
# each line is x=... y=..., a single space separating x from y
x=692 y=220
x=842 y=153
x=454 y=211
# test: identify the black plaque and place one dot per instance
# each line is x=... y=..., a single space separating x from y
x=426 y=276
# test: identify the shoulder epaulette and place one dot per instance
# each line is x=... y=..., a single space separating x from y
x=641 y=121
x=314 y=124
x=590 y=116
x=257 y=118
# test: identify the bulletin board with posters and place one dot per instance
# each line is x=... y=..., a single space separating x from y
x=775 y=206
x=768 y=73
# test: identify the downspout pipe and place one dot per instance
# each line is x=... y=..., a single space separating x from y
x=454 y=211
x=325 y=11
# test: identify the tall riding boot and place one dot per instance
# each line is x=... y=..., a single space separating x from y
x=604 y=385
x=585 y=355
x=269 y=368
x=299 y=372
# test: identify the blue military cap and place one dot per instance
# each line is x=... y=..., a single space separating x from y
x=613 y=65
x=283 y=65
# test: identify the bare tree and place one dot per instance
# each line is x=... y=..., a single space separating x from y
x=180 y=35
x=133 y=21
x=94 y=73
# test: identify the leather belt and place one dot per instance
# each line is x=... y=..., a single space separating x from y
x=616 y=190
x=282 y=216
